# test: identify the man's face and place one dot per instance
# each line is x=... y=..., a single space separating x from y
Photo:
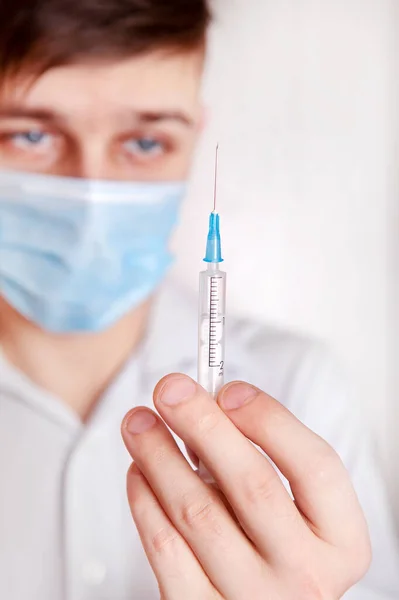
x=133 y=120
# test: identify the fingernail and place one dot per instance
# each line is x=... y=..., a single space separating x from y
x=237 y=395
x=140 y=422
x=177 y=390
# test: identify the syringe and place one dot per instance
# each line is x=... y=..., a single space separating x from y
x=212 y=309
x=212 y=315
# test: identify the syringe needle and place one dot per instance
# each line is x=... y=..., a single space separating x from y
x=216 y=178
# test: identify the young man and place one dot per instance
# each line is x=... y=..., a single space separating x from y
x=99 y=113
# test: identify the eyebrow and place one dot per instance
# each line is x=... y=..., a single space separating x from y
x=26 y=113
x=142 y=117
x=156 y=117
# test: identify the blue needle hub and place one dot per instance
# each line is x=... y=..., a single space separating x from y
x=214 y=244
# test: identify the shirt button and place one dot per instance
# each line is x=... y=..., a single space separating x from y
x=94 y=572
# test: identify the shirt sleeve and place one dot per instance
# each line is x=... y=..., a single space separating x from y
x=319 y=398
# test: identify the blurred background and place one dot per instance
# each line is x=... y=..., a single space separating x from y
x=301 y=96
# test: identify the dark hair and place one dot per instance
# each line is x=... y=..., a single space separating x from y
x=40 y=34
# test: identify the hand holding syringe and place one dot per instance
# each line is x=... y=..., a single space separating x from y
x=247 y=539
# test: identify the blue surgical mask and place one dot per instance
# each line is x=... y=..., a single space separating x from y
x=76 y=255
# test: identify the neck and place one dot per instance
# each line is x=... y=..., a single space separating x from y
x=77 y=369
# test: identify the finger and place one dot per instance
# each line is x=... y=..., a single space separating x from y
x=252 y=487
x=318 y=479
x=195 y=509
x=178 y=572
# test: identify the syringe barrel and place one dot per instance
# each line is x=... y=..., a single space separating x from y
x=212 y=317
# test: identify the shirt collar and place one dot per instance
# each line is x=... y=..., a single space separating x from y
x=21 y=389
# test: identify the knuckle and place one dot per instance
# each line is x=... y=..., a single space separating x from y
x=159 y=455
x=363 y=563
x=200 y=512
x=310 y=588
x=359 y=559
x=351 y=567
x=260 y=489
x=164 y=540
x=324 y=577
x=207 y=423
x=310 y=580
x=325 y=466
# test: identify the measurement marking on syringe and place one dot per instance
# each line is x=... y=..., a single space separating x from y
x=214 y=321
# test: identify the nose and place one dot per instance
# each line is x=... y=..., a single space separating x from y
x=89 y=161
x=93 y=162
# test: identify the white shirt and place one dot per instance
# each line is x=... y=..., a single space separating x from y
x=65 y=528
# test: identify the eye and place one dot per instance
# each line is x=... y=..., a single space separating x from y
x=145 y=146
x=34 y=139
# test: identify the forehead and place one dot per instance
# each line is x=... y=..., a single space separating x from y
x=152 y=83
